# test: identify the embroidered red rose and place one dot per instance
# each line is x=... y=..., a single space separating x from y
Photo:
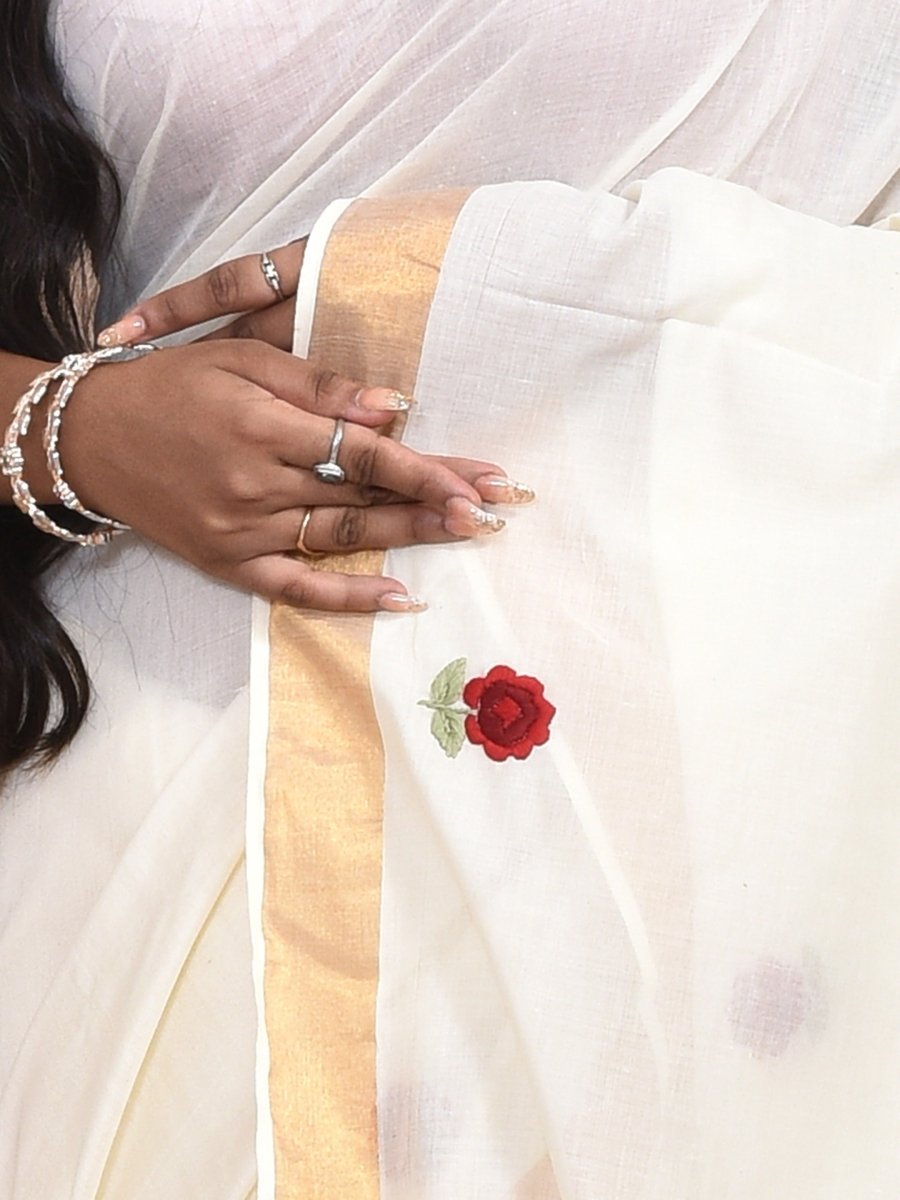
x=511 y=715
x=504 y=713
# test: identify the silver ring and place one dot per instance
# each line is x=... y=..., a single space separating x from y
x=330 y=471
x=270 y=273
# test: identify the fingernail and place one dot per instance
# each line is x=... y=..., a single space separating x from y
x=122 y=332
x=399 y=602
x=505 y=491
x=468 y=520
x=380 y=399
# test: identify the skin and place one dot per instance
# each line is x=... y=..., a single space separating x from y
x=207 y=449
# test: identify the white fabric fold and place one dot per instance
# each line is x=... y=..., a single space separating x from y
x=656 y=958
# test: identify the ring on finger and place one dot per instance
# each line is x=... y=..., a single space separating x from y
x=330 y=471
x=302 y=547
x=270 y=274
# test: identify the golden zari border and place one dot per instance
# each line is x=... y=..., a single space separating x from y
x=325 y=761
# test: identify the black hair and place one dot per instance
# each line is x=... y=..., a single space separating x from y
x=59 y=205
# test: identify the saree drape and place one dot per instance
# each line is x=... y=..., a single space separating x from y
x=127 y=1016
x=655 y=956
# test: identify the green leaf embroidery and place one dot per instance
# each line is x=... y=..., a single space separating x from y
x=447 y=685
x=447 y=726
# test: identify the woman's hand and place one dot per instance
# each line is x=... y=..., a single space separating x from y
x=208 y=449
x=238 y=408
x=237 y=286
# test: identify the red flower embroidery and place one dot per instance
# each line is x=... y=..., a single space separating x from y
x=505 y=713
x=511 y=714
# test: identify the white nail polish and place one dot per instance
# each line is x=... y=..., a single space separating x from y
x=487 y=521
x=378 y=399
x=468 y=520
x=400 y=602
x=122 y=332
x=507 y=491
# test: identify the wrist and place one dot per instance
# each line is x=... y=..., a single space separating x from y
x=36 y=423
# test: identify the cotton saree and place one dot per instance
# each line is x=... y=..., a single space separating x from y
x=636 y=960
x=679 y=981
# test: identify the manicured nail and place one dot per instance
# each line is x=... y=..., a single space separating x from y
x=505 y=491
x=468 y=520
x=122 y=333
x=399 y=602
x=380 y=399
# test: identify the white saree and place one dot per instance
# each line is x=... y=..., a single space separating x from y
x=654 y=959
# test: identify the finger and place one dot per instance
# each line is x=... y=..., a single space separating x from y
x=491 y=483
x=273 y=325
x=346 y=529
x=369 y=460
x=291 y=488
x=284 y=579
x=309 y=386
x=238 y=285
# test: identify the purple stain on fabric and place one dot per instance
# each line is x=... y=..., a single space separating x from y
x=772 y=1001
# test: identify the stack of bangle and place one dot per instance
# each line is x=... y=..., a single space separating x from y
x=12 y=463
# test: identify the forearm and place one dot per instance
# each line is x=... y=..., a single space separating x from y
x=16 y=373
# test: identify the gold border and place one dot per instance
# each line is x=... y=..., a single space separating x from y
x=325 y=760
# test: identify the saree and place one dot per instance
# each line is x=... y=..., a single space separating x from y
x=642 y=945
x=655 y=950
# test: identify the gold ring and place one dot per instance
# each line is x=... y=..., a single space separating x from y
x=302 y=547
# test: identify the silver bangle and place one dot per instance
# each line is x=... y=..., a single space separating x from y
x=73 y=368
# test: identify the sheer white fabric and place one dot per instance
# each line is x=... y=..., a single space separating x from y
x=236 y=121
x=123 y=948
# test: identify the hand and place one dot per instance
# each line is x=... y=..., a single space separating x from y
x=237 y=286
x=207 y=449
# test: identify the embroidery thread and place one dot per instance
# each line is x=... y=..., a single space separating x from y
x=504 y=713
